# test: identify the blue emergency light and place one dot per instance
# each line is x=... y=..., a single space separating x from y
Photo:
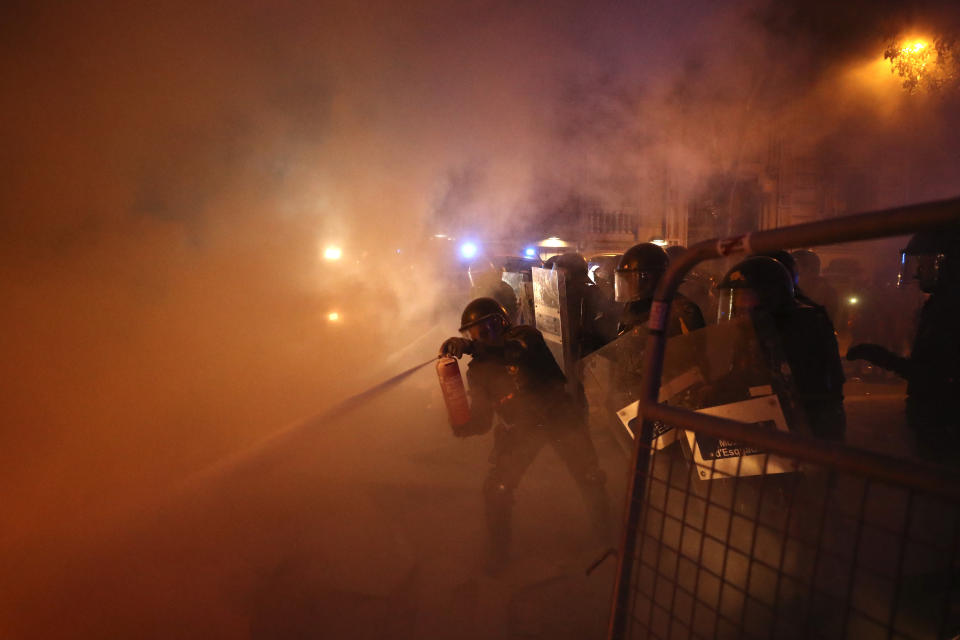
x=530 y=252
x=469 y=250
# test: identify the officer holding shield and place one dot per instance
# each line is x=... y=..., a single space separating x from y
x=761 y=284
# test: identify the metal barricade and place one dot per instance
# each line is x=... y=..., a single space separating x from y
x=845 y=543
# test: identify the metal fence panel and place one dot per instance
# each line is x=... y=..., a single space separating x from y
x=850 y=544
x=821 y=552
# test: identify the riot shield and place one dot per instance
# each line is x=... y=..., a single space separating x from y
x=718 y=458
x=552 y=317
x=734 y=370
x=612 y=375
x=522 y=286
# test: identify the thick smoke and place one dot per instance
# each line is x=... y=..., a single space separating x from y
x=171 y=172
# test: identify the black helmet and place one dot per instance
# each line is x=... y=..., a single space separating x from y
x=789 y=261
x=769 y=282
x=482 y=309
x=639 y=271
x=807 y=261
x=674 y=251
x=933 y=258
x=573 y=264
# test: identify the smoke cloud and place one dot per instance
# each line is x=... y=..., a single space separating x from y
x=171 y=172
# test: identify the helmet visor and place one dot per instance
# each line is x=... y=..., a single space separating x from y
x=736 y=303
x=488 y=330
x=633 y=285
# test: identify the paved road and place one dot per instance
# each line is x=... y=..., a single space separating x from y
x=370 y=527
x=366 y=528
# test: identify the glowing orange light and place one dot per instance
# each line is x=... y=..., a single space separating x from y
x=333 y=316
x=920 y=62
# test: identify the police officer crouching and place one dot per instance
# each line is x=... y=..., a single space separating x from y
x=514 y=377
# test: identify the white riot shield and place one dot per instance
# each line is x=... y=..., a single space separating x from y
x=523 y=287
x=551 y=317
x=718 y=458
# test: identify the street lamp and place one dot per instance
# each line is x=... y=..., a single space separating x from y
x=923 y=63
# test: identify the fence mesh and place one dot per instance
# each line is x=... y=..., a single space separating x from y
x=821 y=552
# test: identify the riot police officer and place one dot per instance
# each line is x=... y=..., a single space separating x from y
x=635 y=281
x=761 y=284
x=933 y=369
x=514 y=377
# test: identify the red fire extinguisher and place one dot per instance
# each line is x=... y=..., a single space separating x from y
x=454 y=395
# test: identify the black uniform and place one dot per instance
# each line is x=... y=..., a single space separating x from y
x=933 y=369
x=803 y=332
x=685 y=316
x=933 y=376
x=522 y=385
x=606 y=315
x=810 y=346
x=585 y=309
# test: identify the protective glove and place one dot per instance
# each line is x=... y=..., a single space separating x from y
x=456 y=347
x=872 y=353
